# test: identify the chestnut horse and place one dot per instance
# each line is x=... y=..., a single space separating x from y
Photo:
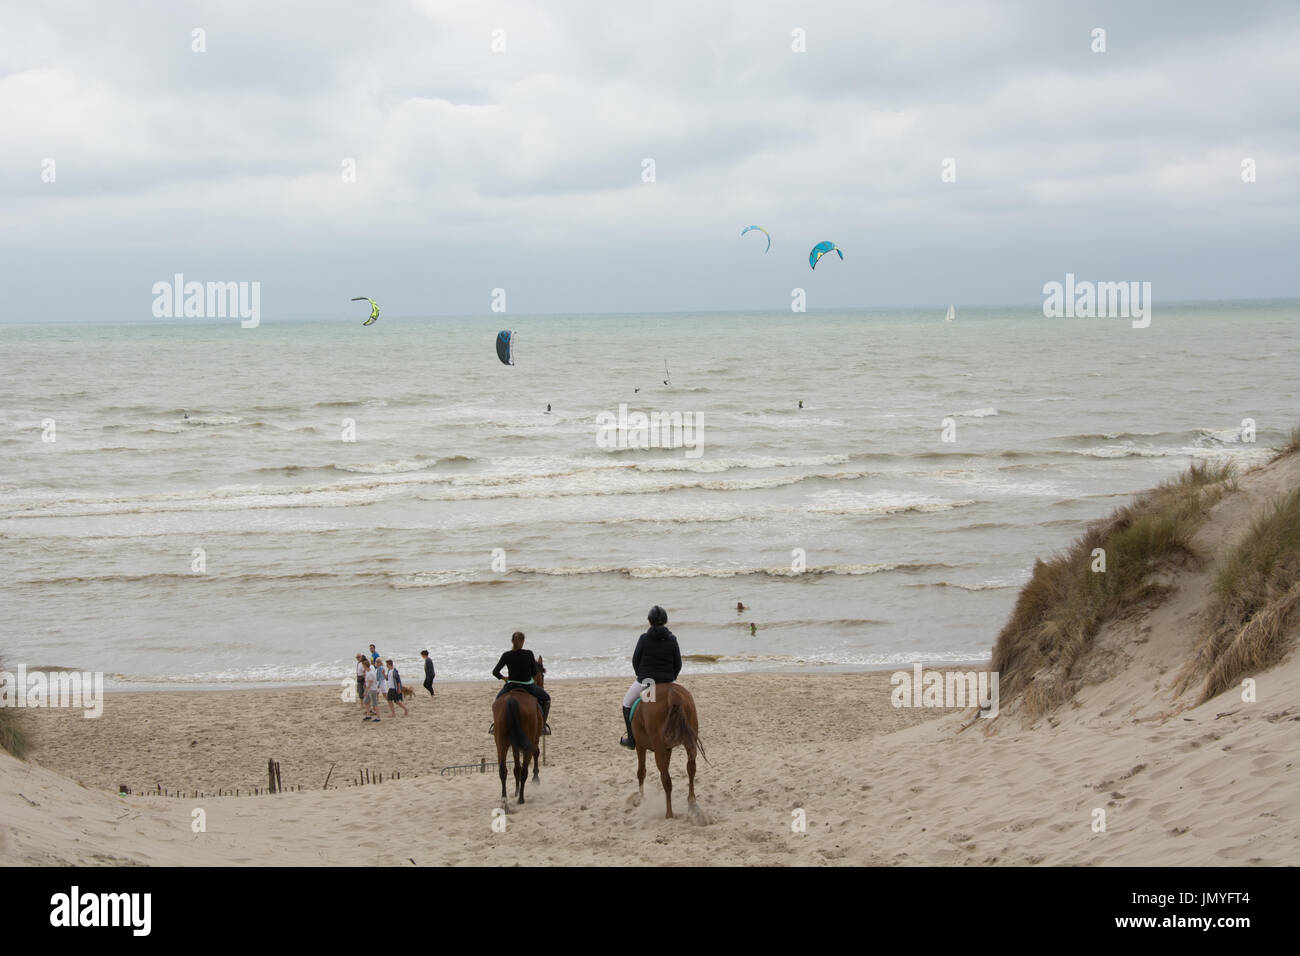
x=517 y=718
x=664 y=719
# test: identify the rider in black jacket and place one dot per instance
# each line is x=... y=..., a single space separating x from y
x=657 y=658
x=522 y=668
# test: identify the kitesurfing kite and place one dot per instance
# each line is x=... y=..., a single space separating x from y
x=763 y=231
x=374 y=308
x=506 y=347
x=820 y=250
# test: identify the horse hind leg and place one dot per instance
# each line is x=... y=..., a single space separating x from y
x=690 y=774
x=519 y=778
x=501 y=767
x=662 y=757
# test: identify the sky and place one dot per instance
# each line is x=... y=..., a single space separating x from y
x=523 y=167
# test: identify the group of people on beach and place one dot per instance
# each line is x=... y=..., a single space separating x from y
x=378 y=679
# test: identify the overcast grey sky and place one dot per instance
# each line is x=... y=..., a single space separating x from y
x=522 y=169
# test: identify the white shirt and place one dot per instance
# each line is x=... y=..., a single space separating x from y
x=361 y=669
x=370 y=681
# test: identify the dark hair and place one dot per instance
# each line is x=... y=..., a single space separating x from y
x=517 y=640
x=389 y=663
x=424 y=653
x=658 y=617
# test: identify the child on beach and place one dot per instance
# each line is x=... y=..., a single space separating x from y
x=395 y=691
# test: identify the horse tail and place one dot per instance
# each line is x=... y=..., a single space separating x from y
x=678 y=731
x=512 y=721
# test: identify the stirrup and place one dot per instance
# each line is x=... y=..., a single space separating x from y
x=546 y=730
x=627 y=742
x=492 y=727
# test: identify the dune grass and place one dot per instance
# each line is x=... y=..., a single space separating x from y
x=12 y=738
x=1291 y=447
x=1256 y=600
x=1065 y=603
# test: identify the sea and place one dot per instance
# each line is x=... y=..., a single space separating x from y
x=195 y=504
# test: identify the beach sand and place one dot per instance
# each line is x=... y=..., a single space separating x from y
x=876 y=786
x=1177 y=784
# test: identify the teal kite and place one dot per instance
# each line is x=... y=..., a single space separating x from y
x=374 y=308
x=820 y=250
x=763 y=231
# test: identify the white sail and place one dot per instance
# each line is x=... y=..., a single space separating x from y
x=952 y=314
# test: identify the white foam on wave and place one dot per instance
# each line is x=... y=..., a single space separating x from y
x=880 y=503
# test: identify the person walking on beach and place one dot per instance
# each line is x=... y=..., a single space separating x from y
x=522 y=668
x=371 y=701
x=374 y=655
x=429 y=674
x=395 y=691
x=361 y=677
x=658 y=658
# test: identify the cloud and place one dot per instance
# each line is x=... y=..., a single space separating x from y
x=523 y=168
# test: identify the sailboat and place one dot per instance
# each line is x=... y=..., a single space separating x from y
x=952 y=313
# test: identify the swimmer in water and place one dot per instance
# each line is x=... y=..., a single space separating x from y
x=548 y=408
x=739 y=607
x=801 y=403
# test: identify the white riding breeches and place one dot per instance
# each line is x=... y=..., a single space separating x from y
x=635 y=691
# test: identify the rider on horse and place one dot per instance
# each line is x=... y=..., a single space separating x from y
x=522 y=668
x=656 y=658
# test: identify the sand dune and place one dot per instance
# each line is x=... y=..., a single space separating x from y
x=1179 y=784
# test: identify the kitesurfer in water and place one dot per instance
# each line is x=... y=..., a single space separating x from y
x=522 y=668
x=657 y=658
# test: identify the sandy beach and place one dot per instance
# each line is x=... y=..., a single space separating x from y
x=878 y=785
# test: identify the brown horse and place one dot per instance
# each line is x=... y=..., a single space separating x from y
x=668 y=720
x=517 y=721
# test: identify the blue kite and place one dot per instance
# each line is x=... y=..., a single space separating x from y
x=763 y=231
x=820 y=250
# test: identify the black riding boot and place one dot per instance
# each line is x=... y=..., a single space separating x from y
x=628 y=741
x=546 y=710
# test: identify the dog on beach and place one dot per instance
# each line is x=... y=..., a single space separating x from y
x=407 y=691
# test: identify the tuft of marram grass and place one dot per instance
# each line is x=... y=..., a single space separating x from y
x=1256 y=602
x=12 y=738
x=1291 y=447
x=1064 y=604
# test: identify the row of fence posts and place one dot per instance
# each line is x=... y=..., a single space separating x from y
x=274 y=784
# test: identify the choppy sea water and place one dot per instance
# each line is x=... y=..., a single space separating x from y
x=913 y=547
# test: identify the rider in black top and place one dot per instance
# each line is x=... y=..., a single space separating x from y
x=522 y=668
x=657 y=659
